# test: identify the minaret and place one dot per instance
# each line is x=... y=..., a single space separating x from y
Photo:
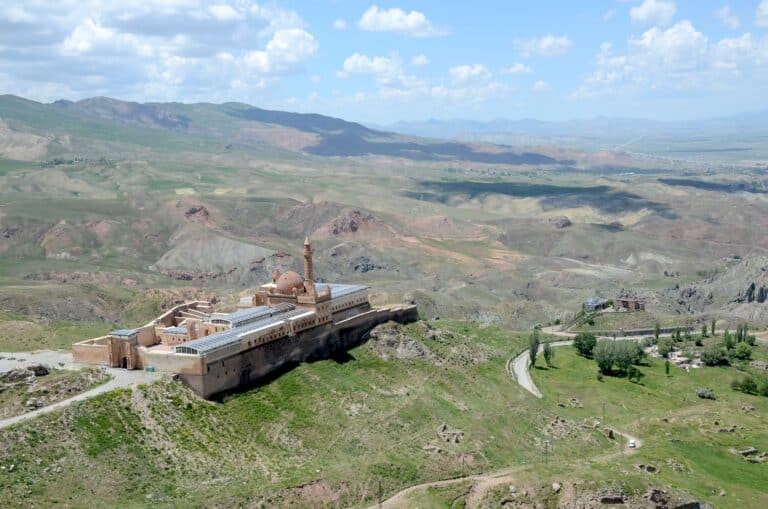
x=309 y=279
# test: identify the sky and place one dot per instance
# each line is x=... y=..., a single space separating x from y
x=408 y=60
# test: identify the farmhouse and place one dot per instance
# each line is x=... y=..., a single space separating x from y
x=288 y=320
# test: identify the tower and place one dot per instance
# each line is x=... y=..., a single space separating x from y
x=309 y=279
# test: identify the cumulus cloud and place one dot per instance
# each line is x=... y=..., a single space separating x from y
x=339 y=24
x=541 y=86
x=761 y=14
x=609 y=14
x=413 y=23
x=548 y=45
x=154 y=49
x=420 y=60
x=463 y=74
x=653 y=12
x=728 y=17
x=516 y=68
x=678 y=58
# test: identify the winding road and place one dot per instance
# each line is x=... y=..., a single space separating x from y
x=518 y=368
x=63 y=360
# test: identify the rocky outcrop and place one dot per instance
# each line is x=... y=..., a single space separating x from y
x=390 y=340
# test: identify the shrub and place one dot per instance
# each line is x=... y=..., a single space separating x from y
x=714 y=354
x=705 y=393
x=533 y=346
x=549 y=354
x=599 y=376
x=585 y=343
x=665 y=347
x=742 y=351
x=746 y=385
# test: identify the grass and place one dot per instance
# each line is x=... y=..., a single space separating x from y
x=673 y=422
x=628 y=320
x=58 y=385
x=349 y=424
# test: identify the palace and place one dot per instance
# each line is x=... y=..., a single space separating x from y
x=289 y=320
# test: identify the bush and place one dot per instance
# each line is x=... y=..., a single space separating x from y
x=665 y=347
x=705 y=393
x=743 y=351
x=599 y=376
x=746 y=385
x=585 y=343
x=714 y=355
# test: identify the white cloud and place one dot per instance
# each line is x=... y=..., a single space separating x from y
x=541 y=86
x=224 y=12
x=339 y=24
x=284 y=52
x=679 y=58
x=761 y=14
x=469 y=73
x=420 y=60
x=548 y=45
x=728 y=17
x=149 y=49
x=516 y=68
x=653 y=12
x=609 y=14
x=414 y=23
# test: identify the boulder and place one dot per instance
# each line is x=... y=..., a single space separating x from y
x=38 y=369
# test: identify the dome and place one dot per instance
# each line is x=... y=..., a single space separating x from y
x=289 y=282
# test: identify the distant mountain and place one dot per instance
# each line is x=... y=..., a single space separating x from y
x=239 y=124
x=584 y=133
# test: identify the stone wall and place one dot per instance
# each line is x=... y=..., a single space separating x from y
x=93 y=351
x=256 y=365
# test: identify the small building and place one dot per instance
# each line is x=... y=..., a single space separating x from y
x=630 y=303
x=594 y=304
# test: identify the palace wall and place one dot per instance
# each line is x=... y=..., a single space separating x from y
x=255 y=365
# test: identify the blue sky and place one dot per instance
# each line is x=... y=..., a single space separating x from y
x=406 y=60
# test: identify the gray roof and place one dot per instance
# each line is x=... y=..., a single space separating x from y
x=339 y=290
x=123 y=332
x=250 y=315
x=220 y=340
x=175 y=330
x=595 y=301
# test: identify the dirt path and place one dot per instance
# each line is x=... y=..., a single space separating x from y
x=518 y=368
x=63 y=360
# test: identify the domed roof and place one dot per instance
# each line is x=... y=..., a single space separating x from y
x=289 y=281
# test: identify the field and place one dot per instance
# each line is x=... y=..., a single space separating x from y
x=610 y=321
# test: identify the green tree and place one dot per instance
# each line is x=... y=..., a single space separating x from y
x=665 y=347
x=714 y=322
x=666 y=367
x=533 y=346
x=549 y=354
x=714 y=354
x=703 y=330
x=603 y=354
x=743 y=351
x=656 y=330
x=584 y=343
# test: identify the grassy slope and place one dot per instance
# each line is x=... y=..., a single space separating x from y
x=690 y=436
x=629 y=320
x=346 y=424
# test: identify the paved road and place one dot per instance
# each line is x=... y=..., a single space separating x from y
x=63 y=360
x=481 y=483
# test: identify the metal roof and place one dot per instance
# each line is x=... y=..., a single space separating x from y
x=339 y=290
x=175 y=330
x=595 y=301
x=123 y=332
x=249 y=315
x=208 y=344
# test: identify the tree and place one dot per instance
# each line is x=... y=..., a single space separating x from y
x=603 y=354
x=743 y=351
x=703 y=330
x=727 y=340
x=714 y=354
x=666 y=367
x=584 y=343
x=714 y=322
x=665 y=347
x=533 y=346
x=623 y=354
x=656 y=330
x=549 y=354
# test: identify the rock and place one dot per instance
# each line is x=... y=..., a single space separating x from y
x=722 y=493
x=38 y=369
x=730 y=429
x=608 y=432
x=657 y=497
x=512 y=488
x=556 y=487
x=749 y=451
x=15 y=376
x=560 y=222
x=612 y=499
